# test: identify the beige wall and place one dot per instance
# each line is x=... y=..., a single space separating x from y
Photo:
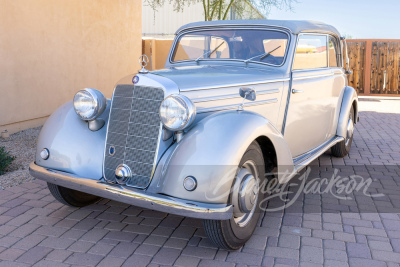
x=50 y=49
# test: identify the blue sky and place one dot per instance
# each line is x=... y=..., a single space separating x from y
x=360 y=19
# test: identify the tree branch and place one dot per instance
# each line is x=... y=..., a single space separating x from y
x=220 y=9
x=213 y=10
x=205 y=10
x=208 y=10
x=227 y=9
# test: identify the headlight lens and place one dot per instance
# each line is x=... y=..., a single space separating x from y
x=89 y=104
x=177 y=112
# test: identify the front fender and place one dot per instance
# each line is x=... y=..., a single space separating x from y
x=211 y=152
x=73 y=147
x=349 y=98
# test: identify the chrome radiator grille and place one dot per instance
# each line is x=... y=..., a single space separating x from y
x=133 y=132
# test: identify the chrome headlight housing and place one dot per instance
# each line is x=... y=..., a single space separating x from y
x=89 y=104
x=177 y=112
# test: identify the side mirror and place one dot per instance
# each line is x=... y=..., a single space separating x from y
x=247 y=93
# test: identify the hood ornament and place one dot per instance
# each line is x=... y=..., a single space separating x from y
x=143 y=61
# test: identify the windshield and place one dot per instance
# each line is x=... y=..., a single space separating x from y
x=266 y=46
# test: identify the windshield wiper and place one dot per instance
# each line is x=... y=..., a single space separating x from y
x=264 y=55
x=209 y=53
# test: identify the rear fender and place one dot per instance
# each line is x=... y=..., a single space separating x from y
x=349 y=100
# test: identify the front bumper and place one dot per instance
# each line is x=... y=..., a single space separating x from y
x=133 y=196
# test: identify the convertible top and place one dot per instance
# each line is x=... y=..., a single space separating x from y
x=295 y=26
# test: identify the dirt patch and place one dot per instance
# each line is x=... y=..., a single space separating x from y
x=22 y=145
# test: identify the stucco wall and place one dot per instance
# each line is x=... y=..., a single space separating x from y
x=51 y=49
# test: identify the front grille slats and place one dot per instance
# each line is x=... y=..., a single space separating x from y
x=119 y=151
x=112 y=163
x=116 y=139
x=121 y=115
x=142 y=143
x=140 y=168
x=109 y=172
x=123 y=102
x=139 y=155
x=145 y=117
x=124 y=91
x=145 y=93
x=143 y=130
x=134 y=132
x=146 y=106
x=120 y=125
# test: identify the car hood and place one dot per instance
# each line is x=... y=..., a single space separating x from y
x=197 y=77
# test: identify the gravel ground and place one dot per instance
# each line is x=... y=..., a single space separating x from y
x=23 y=146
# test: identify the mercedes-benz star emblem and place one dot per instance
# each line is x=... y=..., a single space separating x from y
x=111 y=151
x=143 y=61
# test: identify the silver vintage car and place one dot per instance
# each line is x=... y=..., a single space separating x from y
x=238 y=103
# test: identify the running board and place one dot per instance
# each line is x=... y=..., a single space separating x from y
x=303 y=160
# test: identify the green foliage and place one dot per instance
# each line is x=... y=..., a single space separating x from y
x=220 y=9
x=5 y=159
x=348 y=36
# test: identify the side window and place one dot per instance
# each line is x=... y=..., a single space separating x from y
x=311 y=52
x=334 y=55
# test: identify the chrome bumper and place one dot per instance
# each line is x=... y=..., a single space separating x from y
x=133 y=196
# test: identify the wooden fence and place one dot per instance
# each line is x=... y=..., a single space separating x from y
x=376 y=66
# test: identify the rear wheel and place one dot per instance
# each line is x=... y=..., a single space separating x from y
x=245 y=198
x=343 y=148
x=71 y=197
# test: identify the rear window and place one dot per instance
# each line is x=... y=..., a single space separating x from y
x=334 y=53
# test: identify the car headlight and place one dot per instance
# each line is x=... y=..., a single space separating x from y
x=89 y=104
x=177 y=112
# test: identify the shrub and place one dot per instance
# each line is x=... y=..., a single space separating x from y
x=5 y=159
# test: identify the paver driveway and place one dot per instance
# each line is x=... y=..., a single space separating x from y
x=35 y=229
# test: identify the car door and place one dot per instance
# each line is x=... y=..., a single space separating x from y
x=339 y=78
x=311 y=111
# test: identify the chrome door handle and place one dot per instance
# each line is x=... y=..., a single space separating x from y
x=294 y=91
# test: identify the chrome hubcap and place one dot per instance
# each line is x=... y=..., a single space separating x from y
x=350 y=130
x=245 y=194
x=248 y=193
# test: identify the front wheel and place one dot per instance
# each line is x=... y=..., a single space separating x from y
x=245 y=198
x=71 y=197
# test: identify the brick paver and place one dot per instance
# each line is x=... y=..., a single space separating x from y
x=318 y=230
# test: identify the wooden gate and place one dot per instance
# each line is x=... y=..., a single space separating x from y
x=376 y=66
x=385 y=68
x=356 y=51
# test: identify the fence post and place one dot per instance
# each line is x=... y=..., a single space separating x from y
x=367 y=70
